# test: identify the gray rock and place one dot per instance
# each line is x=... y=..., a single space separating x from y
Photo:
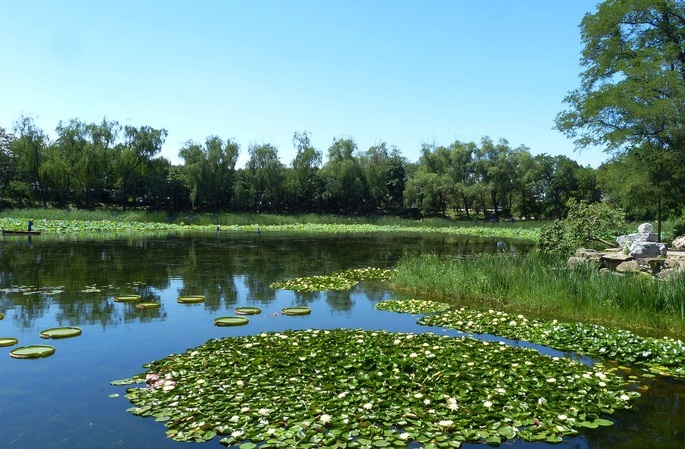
x=626 y=240
x=629 y=266
x=647 y=249
x=679 y=243
x=645 y=228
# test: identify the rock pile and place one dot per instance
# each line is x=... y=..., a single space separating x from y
x=637 y=253
x=643 y=244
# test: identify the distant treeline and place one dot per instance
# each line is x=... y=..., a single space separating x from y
x=105 y=164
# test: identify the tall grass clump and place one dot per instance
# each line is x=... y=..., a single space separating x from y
x=545 y=286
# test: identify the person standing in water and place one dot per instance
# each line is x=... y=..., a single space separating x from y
x=30 y=224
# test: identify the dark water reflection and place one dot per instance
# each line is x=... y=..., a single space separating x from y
x=63 y=401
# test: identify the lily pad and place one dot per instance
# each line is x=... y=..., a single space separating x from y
x=303 y=310
x=2 y=316
x=231 y=321
x=127 y=298
x=32 y=352
x=60 y=332
x=248 y=310
x=8 y=341
x=148 y=305
x=191 y=299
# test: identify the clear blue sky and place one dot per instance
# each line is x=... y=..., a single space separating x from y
x=396 y=71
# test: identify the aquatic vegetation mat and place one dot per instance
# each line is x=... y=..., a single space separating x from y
x=127 y=298
x=295 y=311
x=355 y=388
x=60 y=332
x=8 y=341
x=191 y=299
x=664 y=356
x=248 y=310
x=32 y=352
x=413 y=306
x=231 y=321
x=148 y=305
x=116 y=226
x=340 y=280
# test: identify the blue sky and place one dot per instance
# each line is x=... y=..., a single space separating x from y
x=396 y=71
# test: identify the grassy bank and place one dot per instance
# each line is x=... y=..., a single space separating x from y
x=546 y=288
x=67 y=222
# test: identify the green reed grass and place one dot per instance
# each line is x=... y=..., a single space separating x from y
x=547 y=287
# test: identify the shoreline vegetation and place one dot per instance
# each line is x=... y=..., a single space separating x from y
x=546 y=288
x=533 y=284
x=56 y=222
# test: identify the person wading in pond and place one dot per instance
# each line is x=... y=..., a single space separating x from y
x=30 y=224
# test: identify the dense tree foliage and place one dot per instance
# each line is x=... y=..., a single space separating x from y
x=98 y=164
x=632 y=95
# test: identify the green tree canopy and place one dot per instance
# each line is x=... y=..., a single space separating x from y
x=632 y=94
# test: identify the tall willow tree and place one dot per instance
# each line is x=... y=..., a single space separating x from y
x=632 y=93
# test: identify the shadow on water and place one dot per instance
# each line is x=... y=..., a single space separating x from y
x=64 y=401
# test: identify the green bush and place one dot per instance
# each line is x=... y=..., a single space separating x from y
x=587 y=225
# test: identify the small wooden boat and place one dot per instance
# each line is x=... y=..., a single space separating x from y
x=6 y=232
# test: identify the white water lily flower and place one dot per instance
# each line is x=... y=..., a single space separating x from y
x=325 y=418
x=240 y=383
x=263 y=411
x=368 y=406
x=397 y=342
x=625 y=397
x=551 y=380
x=404 y=436
x=445 y=422
x=413 y=355
x=237 y=433
x=487 y=404
x=245 y=408
x=342 y=395
x=453 y=406
x=418 y=395
x=602 y=384
x=427 y=401
x=562 y=417
x=270 y=431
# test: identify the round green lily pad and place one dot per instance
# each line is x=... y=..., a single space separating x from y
x=304 y=310
x=191 y=299
x=248 y=310
x=8 y=341
x=148 y=305
x=231 y=321
x=32 y=352
x=61 y=332
x=127 y=298
x=2 y=316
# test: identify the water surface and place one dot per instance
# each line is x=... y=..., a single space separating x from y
x=64 y=401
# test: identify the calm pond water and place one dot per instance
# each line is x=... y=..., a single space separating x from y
x=64 y=401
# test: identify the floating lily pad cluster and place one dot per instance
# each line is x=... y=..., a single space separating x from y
x=29 y=290
x=413 y=306
x=355 y=388
x=664 y=356
x=82 y=227
x=340 y=280
x=40 y=351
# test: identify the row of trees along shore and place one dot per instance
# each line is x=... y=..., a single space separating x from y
x=91 y=165
x=630 y=104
